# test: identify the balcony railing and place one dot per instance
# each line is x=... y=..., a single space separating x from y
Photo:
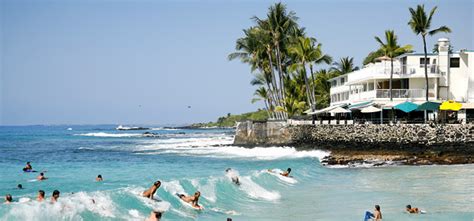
x=403 y=93
x=412 y=69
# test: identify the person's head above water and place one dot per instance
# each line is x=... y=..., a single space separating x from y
x=20 y=186
x=408 y=206
x=56 y=194
x=157 y=214
x=8 y=198
x=197 y=194
x=288 y=170
x=41 y=174
x=157 y=183
x=41 y=193
x=28 y=163
x=228 y=169
x=99 y=176
x=377 y=207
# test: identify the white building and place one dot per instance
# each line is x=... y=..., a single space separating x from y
x=451 y=77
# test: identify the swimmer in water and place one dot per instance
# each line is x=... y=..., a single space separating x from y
x=376 y=216
x=40 y=197
x=20 y=186
x=286 y=173
x=152 y=190
x=8 y=199
x=155 y=216
x=99 y=178
x=193 y=200
x=41 y=177
x=234 y=177
x=55 y=196
x=412 y=210
x=28 y=168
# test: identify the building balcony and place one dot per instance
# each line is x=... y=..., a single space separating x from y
x=404 y=93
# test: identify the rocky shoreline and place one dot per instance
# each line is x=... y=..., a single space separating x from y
x=378 y=145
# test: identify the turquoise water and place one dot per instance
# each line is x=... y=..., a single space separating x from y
x=190 y=160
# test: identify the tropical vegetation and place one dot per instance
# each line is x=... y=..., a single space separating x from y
x=420 y=23
x=391 y=49
x=286 y=62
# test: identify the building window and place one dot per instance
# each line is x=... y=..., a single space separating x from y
x=454 y=62
x=333 y=83
x=422 y=62
x=343 y=81
x=371 y=86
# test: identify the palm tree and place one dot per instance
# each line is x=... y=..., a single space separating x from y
x=305 y=52
x=344 y=66
x=391 y=49
x=420 y=23
x=262 y=94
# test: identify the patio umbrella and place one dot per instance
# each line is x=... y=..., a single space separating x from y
x=406 y=106
x=370 y=109
x=339 y=110
x=450 y=105
x=429 y=106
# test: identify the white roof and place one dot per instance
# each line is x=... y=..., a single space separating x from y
x=370 y=109
x=339 y=110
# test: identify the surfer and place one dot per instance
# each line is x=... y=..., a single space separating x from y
x=193 y=200
x=41 y=177
x=8 y=199
x=412 y=210
x=152 y=190
x=55 y=196
x=233 y=176
x=376 y=216
x=40 y=197
x=286 y=173
x=99 y=178
x=28 y=168
x=155 y=216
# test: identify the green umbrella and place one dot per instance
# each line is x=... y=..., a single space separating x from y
x=429 y=106
x=406 y=106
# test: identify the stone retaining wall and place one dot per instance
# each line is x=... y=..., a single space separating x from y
x=359 y=136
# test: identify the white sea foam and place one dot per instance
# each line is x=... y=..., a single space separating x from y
x=103 y=134
x=68 y=207
x=255 y=191
x=208 y=190
x=201 y=147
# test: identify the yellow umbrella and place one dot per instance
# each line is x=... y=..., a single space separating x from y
x=450 y=105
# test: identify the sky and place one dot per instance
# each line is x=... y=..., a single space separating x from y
x=165 y=62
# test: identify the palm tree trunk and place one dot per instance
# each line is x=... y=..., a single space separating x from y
x=278 y=97
x=426 y=67
x=391 y=78
x=308 y=92
x=280 y=70
x=313 y=90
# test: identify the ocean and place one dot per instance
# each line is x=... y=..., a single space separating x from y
x=186 y=161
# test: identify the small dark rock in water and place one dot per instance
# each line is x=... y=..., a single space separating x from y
x=149 y=134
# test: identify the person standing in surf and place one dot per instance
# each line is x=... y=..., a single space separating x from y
x=55 y=196
x=193 y=200
x=40 y=197
x=376 y=216
x=152 y=190
x=8 y=199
